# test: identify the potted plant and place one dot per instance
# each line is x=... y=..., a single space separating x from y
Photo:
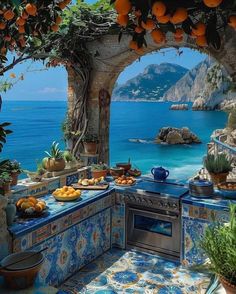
x=55 y=160
x=69 y=159
x=99 y=170
x=38 y=174
x=90 y=143
x=219 y=244
x=218 y=167
x=14 y=168
x=5 y=182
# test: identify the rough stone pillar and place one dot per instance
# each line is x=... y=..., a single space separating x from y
x=5 y=238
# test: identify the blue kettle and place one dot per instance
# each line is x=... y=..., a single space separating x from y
x=159 y=173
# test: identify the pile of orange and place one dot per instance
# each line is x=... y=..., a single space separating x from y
x=158 y=36
x=179 y=35
x=123 y=180
x=30 y=204
x=212 y=3
x=66 y=191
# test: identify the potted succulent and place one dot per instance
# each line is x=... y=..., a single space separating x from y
x=55 y=160
x=5 y=182
x=14 y=168
x=90 y=143
x=218 y=167
x=219 y=244
x=99 y=170
x=69 y=159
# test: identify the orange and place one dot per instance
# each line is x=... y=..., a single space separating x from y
x=38 y=207
x=20 y=21
x=133 y=45
x=138 y=30
x=62 y=5
x=158 y=36
x=19 y=202
x=55 y=28
x=25 y=205
x=232 y=21
x=32 y=199
x=31 y=204
x=200 y=29
x=24 y=15
x=201 y=41
x=9 y=14
x=212 y=3
x=158 y=8
x=67 y=2
x=58 y=20
x=123 y=6
x=122 y=20
x=163 y=19
x=179 y=33
x=179 y=39
x=31 y=9
x=2 y=25
x=149 y=25
x=21 y=29
x=180 y=15
x=7 y=38
x=43 y=204
x=3 y=50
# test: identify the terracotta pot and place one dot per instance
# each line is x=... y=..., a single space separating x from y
x=90 y=147
x=98 y=173
x=14 y=178
x=6 y=188
x=53 y=164
x=229 y=288
x=21 y=275
x=218 y=178
x=126 y=165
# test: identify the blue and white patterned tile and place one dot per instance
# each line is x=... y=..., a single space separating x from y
x=70 y=179
x=118 y=226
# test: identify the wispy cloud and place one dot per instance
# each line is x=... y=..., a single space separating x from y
x=51 y=90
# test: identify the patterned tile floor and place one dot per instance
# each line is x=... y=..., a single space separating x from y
x=119 y=271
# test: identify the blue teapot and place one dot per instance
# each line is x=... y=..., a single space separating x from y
x=159 y=173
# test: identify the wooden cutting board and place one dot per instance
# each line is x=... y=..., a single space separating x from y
x=91 y=187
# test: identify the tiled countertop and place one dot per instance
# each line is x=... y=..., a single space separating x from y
x=56 y=210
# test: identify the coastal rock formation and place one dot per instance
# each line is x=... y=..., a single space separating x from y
x=199 y=104
x=173 y=136
x=179 y=107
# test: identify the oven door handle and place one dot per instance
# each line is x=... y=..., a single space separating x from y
x=155 y=215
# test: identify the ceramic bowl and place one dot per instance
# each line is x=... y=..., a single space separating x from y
x=21 y=275
x=126 y=165
x=117 y=171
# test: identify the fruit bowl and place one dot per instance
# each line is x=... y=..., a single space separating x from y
x=117 y=171
x=228 y=189
x=30 y=207
x=66 y=193
x=124 y=181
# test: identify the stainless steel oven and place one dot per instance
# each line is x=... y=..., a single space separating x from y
x=154 y=230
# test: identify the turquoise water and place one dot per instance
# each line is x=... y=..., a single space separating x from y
x=36 y=124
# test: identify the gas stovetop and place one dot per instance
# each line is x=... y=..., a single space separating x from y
x=157 y=195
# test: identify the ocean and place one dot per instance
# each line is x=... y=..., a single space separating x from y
x=36 y=124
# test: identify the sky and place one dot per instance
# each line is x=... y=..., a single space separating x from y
x=51 y=84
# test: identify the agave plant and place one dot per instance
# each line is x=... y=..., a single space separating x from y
x=55 y=151
x=217 y=164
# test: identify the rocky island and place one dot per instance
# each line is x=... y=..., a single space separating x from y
x=179 y=107
x=170 y=135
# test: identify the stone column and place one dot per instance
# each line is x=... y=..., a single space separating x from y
x=5 y=238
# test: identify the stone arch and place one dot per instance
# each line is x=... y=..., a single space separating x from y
x=110 y=57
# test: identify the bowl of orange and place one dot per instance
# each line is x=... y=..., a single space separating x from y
x=66 y=193
x=31 y=207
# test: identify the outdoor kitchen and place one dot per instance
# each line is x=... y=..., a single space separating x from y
x=154 y=215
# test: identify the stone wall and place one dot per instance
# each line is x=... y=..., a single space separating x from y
x=110 y=58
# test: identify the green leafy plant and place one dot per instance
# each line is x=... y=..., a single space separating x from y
x=3 y=133
x=89 y=138
x=68 y=156
x=99 y=166
x=219 y=244
x=5 y=178
x=218 y=163
x=55 y=151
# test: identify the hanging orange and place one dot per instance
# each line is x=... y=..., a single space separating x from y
x=20 y=21
x=7 y=38
x=180 y=15
x=55 y=28
x=123 y=6
x=200 y=29
x=179 y=39
x=9 y=14
x=3 y=51
x=163 y=19
x=24 y=15
x=31 y=9
x=149 y=25
x=2 y=25
x=122 y=20
x=133 y=45
x=138 y=30
x=212 y=3
x=178 y=33
x=158 y=36
x=201 y=41
x=21 y=29
x=158 y=8
x=232 y=21
x=58 y=20
x=62 y=5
